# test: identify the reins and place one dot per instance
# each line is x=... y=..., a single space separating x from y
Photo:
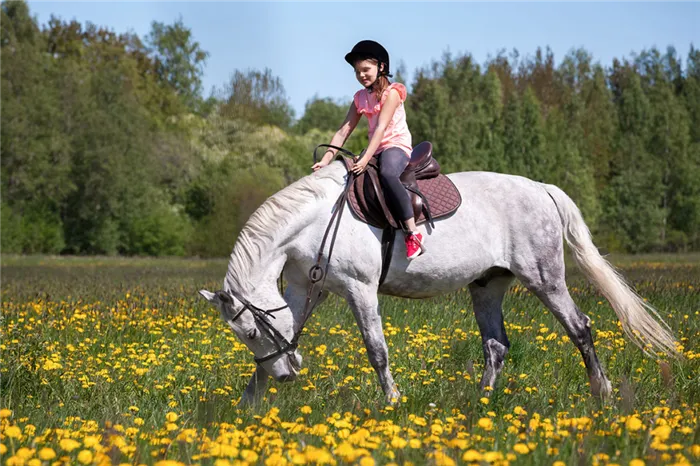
x=316 y=274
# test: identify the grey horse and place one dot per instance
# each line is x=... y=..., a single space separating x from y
x=507 y=227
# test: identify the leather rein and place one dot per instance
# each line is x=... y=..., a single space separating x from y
x=316 y=274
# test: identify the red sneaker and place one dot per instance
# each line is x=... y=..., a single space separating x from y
x=414 y=245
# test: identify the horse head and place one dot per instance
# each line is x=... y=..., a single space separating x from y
x=268 y=333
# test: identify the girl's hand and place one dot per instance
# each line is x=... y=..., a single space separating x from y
x=327 y=158
x=360 y=166
x=319 y=165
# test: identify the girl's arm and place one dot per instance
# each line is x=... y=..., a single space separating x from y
x=393 y=101
x=342 y=135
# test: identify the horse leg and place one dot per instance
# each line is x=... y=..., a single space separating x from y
x=487 y=296
x=255 y=389
x=547 y=282
x=365 y=306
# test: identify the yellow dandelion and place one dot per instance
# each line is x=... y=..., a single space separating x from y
x=520 y=411
x=276 y=459
x=471 y=456
x=306 y=410
x=5 y=413
x=633 y=424
x=662 y=432
x=171 y=417
x=367 y=461
x=68 y=444
x=14 y=461
x=458 y=443
x=85 y=457
x=636 y=462
x=398 y=442
x=25 y=453
x=485 y=423
x=249 y=456
x=484 y=400
x=695 y=451
x=46 y=454
x=13 y=432
x=521 y=448
x=90 y=441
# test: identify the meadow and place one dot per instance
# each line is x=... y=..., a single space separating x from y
x=115 y=360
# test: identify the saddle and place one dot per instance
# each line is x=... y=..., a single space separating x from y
x=433 y=196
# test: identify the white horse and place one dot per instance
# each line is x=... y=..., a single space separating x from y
x=507 y=227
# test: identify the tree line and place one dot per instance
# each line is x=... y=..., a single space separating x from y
x=110 y=147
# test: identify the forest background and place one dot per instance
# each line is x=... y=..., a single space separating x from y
x=109 y=146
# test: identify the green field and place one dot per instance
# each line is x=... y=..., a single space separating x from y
x=113 y=360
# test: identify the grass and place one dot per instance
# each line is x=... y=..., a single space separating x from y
x=114 y=360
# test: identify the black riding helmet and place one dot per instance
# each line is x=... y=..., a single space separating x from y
x=369 y=49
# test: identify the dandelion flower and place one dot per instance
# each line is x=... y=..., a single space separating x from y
x=521 y=448
x=85 y=457
x=633 y=424
x=46 y=454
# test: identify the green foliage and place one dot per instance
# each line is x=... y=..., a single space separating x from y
x=323 y=114
x=109 y=147
x=232 y=195
x=258 y=97
x=179 y=61
x=151 y=225
x=11 y=235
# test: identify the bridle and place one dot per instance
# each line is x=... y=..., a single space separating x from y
x=316 y=274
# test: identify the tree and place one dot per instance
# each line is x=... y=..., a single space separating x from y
x=179 y=61
x=323 y=114
x=257 y=97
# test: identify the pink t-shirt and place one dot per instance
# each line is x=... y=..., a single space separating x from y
x=397 y=133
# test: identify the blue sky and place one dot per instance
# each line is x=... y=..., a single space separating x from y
x=304 y=43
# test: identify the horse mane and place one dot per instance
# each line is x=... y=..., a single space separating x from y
x=262 y=229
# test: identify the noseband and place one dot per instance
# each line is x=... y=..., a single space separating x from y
x=316 y=274
x=261 y=317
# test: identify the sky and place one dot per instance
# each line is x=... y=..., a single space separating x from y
x=304 y=43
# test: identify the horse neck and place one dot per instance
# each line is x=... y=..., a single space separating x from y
x=262 y=248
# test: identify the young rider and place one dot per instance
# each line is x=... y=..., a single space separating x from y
x=389 y=138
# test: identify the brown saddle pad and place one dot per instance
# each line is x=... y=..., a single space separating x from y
x=441 y=193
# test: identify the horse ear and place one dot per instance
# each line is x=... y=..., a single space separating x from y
x=209 y=296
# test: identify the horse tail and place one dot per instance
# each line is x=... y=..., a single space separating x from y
x=636 y=315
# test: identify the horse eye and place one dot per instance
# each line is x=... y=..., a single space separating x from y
x=252 y=334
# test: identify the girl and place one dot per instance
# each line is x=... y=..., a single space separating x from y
x=389 y=137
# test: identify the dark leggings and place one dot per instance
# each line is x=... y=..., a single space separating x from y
x=392 y=163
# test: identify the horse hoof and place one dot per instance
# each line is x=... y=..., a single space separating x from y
x=393 y=398
x=601 y=388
